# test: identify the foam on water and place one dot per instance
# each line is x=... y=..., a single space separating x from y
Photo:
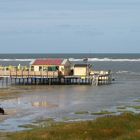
x=107 y=60
x=89 y=59
x=16 y=60
x=120 y=72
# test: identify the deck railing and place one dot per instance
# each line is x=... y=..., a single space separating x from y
x=23 y=73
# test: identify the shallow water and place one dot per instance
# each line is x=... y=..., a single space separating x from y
x=61 y=102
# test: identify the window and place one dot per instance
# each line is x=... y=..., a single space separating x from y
x=32 y=68
x=40 y=68
x=45 y=68
x=53 y=68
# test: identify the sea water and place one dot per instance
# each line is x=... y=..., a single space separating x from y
x=62 y=102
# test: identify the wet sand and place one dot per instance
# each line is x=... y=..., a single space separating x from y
x=8 y=114
x=6 y=94
x=27 y=104
x=19 y=106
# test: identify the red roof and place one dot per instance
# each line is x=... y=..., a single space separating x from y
x=48 y=62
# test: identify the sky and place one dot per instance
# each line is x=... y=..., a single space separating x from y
x=69 y=26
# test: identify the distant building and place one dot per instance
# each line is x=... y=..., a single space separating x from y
x=63 y=66
x=82 y=69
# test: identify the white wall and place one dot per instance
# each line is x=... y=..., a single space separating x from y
x=80 y=71
x=36 y=68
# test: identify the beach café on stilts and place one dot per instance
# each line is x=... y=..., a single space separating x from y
x=55 y=71
x=63 y=66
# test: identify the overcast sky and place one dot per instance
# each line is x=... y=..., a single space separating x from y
x=69 y=26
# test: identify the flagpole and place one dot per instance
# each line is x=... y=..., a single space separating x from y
x=86 y=61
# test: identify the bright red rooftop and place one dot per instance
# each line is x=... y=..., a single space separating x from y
x=48 y=62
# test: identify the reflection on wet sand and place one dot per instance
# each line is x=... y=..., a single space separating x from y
x=43 y=104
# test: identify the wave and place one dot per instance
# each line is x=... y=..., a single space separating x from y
x=16 y=60
x=128 y=72
x=120 y=72
x=81 y=59
x=107 y=60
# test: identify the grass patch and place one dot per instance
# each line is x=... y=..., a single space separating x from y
x=44 y=120
x=129 y=109
x=65 y=119
x=135 y=107
x=44 y=123
x=28 y=126
x=103 y=112
x=4 y=136
x=125 y=111
x=137 y=100
x=122 y=127
x=82 y=112
x=121 y=107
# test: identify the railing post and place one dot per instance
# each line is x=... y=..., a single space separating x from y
x=22 y=73
x=28 y=73
x=16 y=72
x=10 y=73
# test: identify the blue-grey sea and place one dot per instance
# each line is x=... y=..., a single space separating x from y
x=62 y=102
